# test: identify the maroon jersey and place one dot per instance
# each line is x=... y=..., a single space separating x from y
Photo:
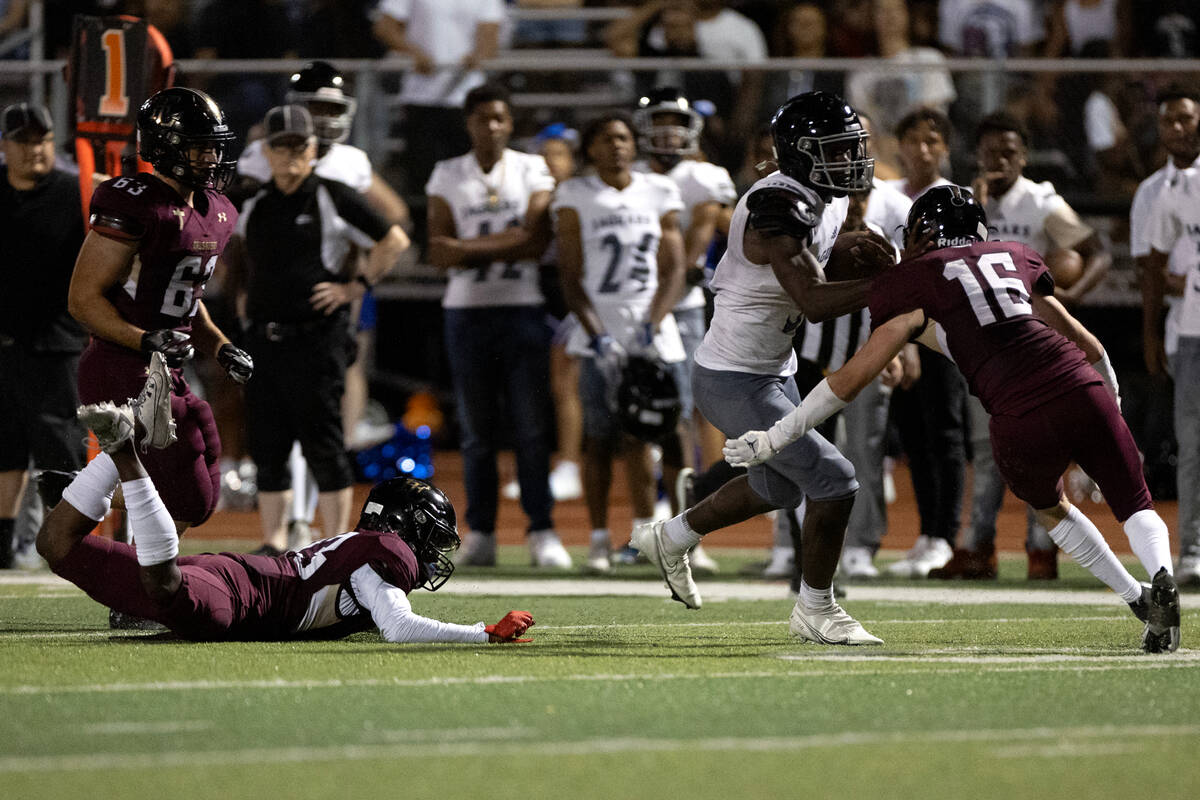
x=178 y=246
x=980 y=295
x=302 y=594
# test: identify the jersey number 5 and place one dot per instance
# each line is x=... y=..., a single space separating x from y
x=998 y=296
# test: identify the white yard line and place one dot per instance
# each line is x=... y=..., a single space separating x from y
x=979 y=663
x=957 y=594
x=1105 y=736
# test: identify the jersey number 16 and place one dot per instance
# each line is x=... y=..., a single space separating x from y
x=998 y=296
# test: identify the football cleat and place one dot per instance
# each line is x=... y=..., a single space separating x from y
x=702 y=563
x=112 y=424
x=546 y=550
x=598 y=554
x=1162 y=623
x=1141 y=606
x=832 y=626
x=674 y=568
x=857 y=563
x=478 y=550
x=152 y=406
x=926 y=555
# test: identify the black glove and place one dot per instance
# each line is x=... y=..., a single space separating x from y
x=175 y=345
x=236 y=362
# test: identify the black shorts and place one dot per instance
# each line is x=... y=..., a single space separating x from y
x=296 y=395
x=38 y=399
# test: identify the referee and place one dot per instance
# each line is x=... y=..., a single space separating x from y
x=293 y=246
x=41 y=225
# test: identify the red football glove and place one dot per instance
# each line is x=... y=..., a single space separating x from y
x=508 y=629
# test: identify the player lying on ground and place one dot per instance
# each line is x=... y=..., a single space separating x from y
x=338 y=586
x=1044 y=379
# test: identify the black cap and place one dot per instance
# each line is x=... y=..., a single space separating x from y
x=21 y=118
x=293 y=120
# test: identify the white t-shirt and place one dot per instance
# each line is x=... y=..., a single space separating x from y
x=486 y=204
x=1036 y=215
x=754 y=318
x=445 y=30
x=1179 y=260
x=989 y=28
x=699 y=182
x=888 y=94
x=1101 y=122
x=1175 y=219
x=620 y=230
x=343 y=163
x=887 y=211
x=901 y=185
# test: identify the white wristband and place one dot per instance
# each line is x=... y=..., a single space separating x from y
x=819 y=405
x=1105 y=368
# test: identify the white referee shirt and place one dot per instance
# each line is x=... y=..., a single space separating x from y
x=1176 y=220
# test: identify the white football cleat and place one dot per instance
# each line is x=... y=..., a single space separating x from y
x=857 y=563
x=598 y=554
x=152 y=406
x=927 y=554
x=546 y=550
x=1188 y=571
x=831 y=626
x=675 y=568
x=112 y=424
x=702 y=563
x=478 y=550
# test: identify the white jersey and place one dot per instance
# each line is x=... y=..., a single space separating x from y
x=343 y=163
x=1181 y=257
x=620 y=230
x=1175 y=220
x=754 y=318
x=887 y=211
x=485 y=204
x=1035 y=214
x=699 y=182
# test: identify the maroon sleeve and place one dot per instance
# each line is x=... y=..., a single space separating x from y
x=1040 y=279
x=394 y=561
x=119 y=209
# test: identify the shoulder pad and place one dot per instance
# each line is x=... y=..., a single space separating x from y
x=780 y=211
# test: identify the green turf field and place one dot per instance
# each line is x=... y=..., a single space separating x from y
x=984 y=696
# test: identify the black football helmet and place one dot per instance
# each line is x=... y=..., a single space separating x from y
x=320 y=87
x=669 y=140
x=176 y=121
x=648 y=404
x=421 y=515
x=820 y=142
x=951 y=213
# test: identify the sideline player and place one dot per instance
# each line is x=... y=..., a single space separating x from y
x=488 y=222
x=769 y=281
x=341 y=585
x=669 y=129
x=1043 y=378
x=621 y=265
x=139 y=279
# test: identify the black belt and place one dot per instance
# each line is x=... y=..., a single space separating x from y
x=278 y=331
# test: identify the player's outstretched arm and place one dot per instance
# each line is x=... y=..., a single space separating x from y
x=829 y=396
x=1057 y=317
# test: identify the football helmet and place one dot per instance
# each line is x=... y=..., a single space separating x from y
x=951 y=213
x=421 y=515
x=648 y=404
x=667 y=125
x=820 y=142
x=320 y=87
x=177 y=121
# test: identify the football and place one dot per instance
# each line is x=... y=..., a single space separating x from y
x=842 y=264
x=1066 y=266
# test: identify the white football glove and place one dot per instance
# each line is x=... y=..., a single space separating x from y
x=749 y=449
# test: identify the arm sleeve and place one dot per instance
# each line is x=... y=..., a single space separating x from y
x=392 y=613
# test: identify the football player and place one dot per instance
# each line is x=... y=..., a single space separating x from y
x=139 y=280
x=621 y=263
x=356 y=581
x=1044 y=379
x=669 y=129
x=769 y=281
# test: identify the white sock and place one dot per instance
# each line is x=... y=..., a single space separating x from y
x=1150 y=541
x=92 y=490
x=601 y=536
x=1082 y=541
x=679 y=534
x=156 y=538
x=815 y=599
